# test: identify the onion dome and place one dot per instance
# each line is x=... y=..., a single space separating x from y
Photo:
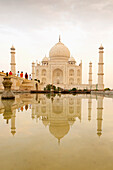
x=59 y=129
x=59 y=52
x=45 y=59
x=71 y=59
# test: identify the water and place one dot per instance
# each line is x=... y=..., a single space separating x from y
x=56 y=132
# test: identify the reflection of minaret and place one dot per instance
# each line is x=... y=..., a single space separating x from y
x=7 y=109
x=99 y=116
x=89 y=108
x=33 y=111
x=13 y=128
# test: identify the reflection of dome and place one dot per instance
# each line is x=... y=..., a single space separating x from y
x=13 y=132
x=59 y=51
x=71 y=121
x=45 y=121
x=59 y=129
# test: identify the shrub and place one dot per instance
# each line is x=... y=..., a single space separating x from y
x=107 y=89
x=74 y=89
x=48 y=87
x=85 y=90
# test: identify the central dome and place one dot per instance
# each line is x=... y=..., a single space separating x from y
x=59 y=52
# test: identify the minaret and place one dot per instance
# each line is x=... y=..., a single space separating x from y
x=13 y=64
x=81 y=72
x=100 y=69
x=33 y=70
x=90 y=73
x=99 y=115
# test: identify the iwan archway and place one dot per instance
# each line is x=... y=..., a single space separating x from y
x=57 y=76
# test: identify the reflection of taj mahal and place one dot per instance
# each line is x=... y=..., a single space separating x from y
x=58 y=113
x=62 y=70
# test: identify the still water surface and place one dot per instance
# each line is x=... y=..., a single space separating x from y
x=43 y=132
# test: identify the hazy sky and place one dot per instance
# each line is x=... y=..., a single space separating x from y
x=33 y=27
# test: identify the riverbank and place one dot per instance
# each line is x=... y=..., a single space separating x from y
x=63 y=91
x=103 y=93
x=42 y=91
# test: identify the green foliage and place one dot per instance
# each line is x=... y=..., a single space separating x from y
x=96 y=90
x=85 y=90
x=107 y=89
x=74 y=89
x=48 y=87
x=54 y=87
x=59 y=89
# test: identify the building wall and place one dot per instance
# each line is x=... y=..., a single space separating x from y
x=69 y=74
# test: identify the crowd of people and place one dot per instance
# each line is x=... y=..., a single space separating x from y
x=21 y=75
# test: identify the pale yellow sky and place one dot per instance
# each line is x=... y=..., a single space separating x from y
x=33 y=27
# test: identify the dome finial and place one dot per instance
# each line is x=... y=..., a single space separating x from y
x=59 y=38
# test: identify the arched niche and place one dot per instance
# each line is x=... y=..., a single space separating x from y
x=43 y=72
x=78 y=72
x=44 y=80
x=71 y=81
x=71 y=72
x=58 y=76
x=37 y=72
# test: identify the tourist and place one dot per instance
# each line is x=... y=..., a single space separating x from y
x=6 y=73
x=30 y=77
x=26 y=106
x=29 y=106
x=10 y=73
x=21 y=74
x=26 y=76
x=18 y=74
x=22 y=108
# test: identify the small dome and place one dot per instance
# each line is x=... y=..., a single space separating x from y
x=71 y=59
x=45 y=59
x=101 y=47
x=59 y=51
x=12 y=48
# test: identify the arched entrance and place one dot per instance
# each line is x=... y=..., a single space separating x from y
x=57 y=76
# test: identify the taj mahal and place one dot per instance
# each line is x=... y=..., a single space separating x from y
x=59 y=69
